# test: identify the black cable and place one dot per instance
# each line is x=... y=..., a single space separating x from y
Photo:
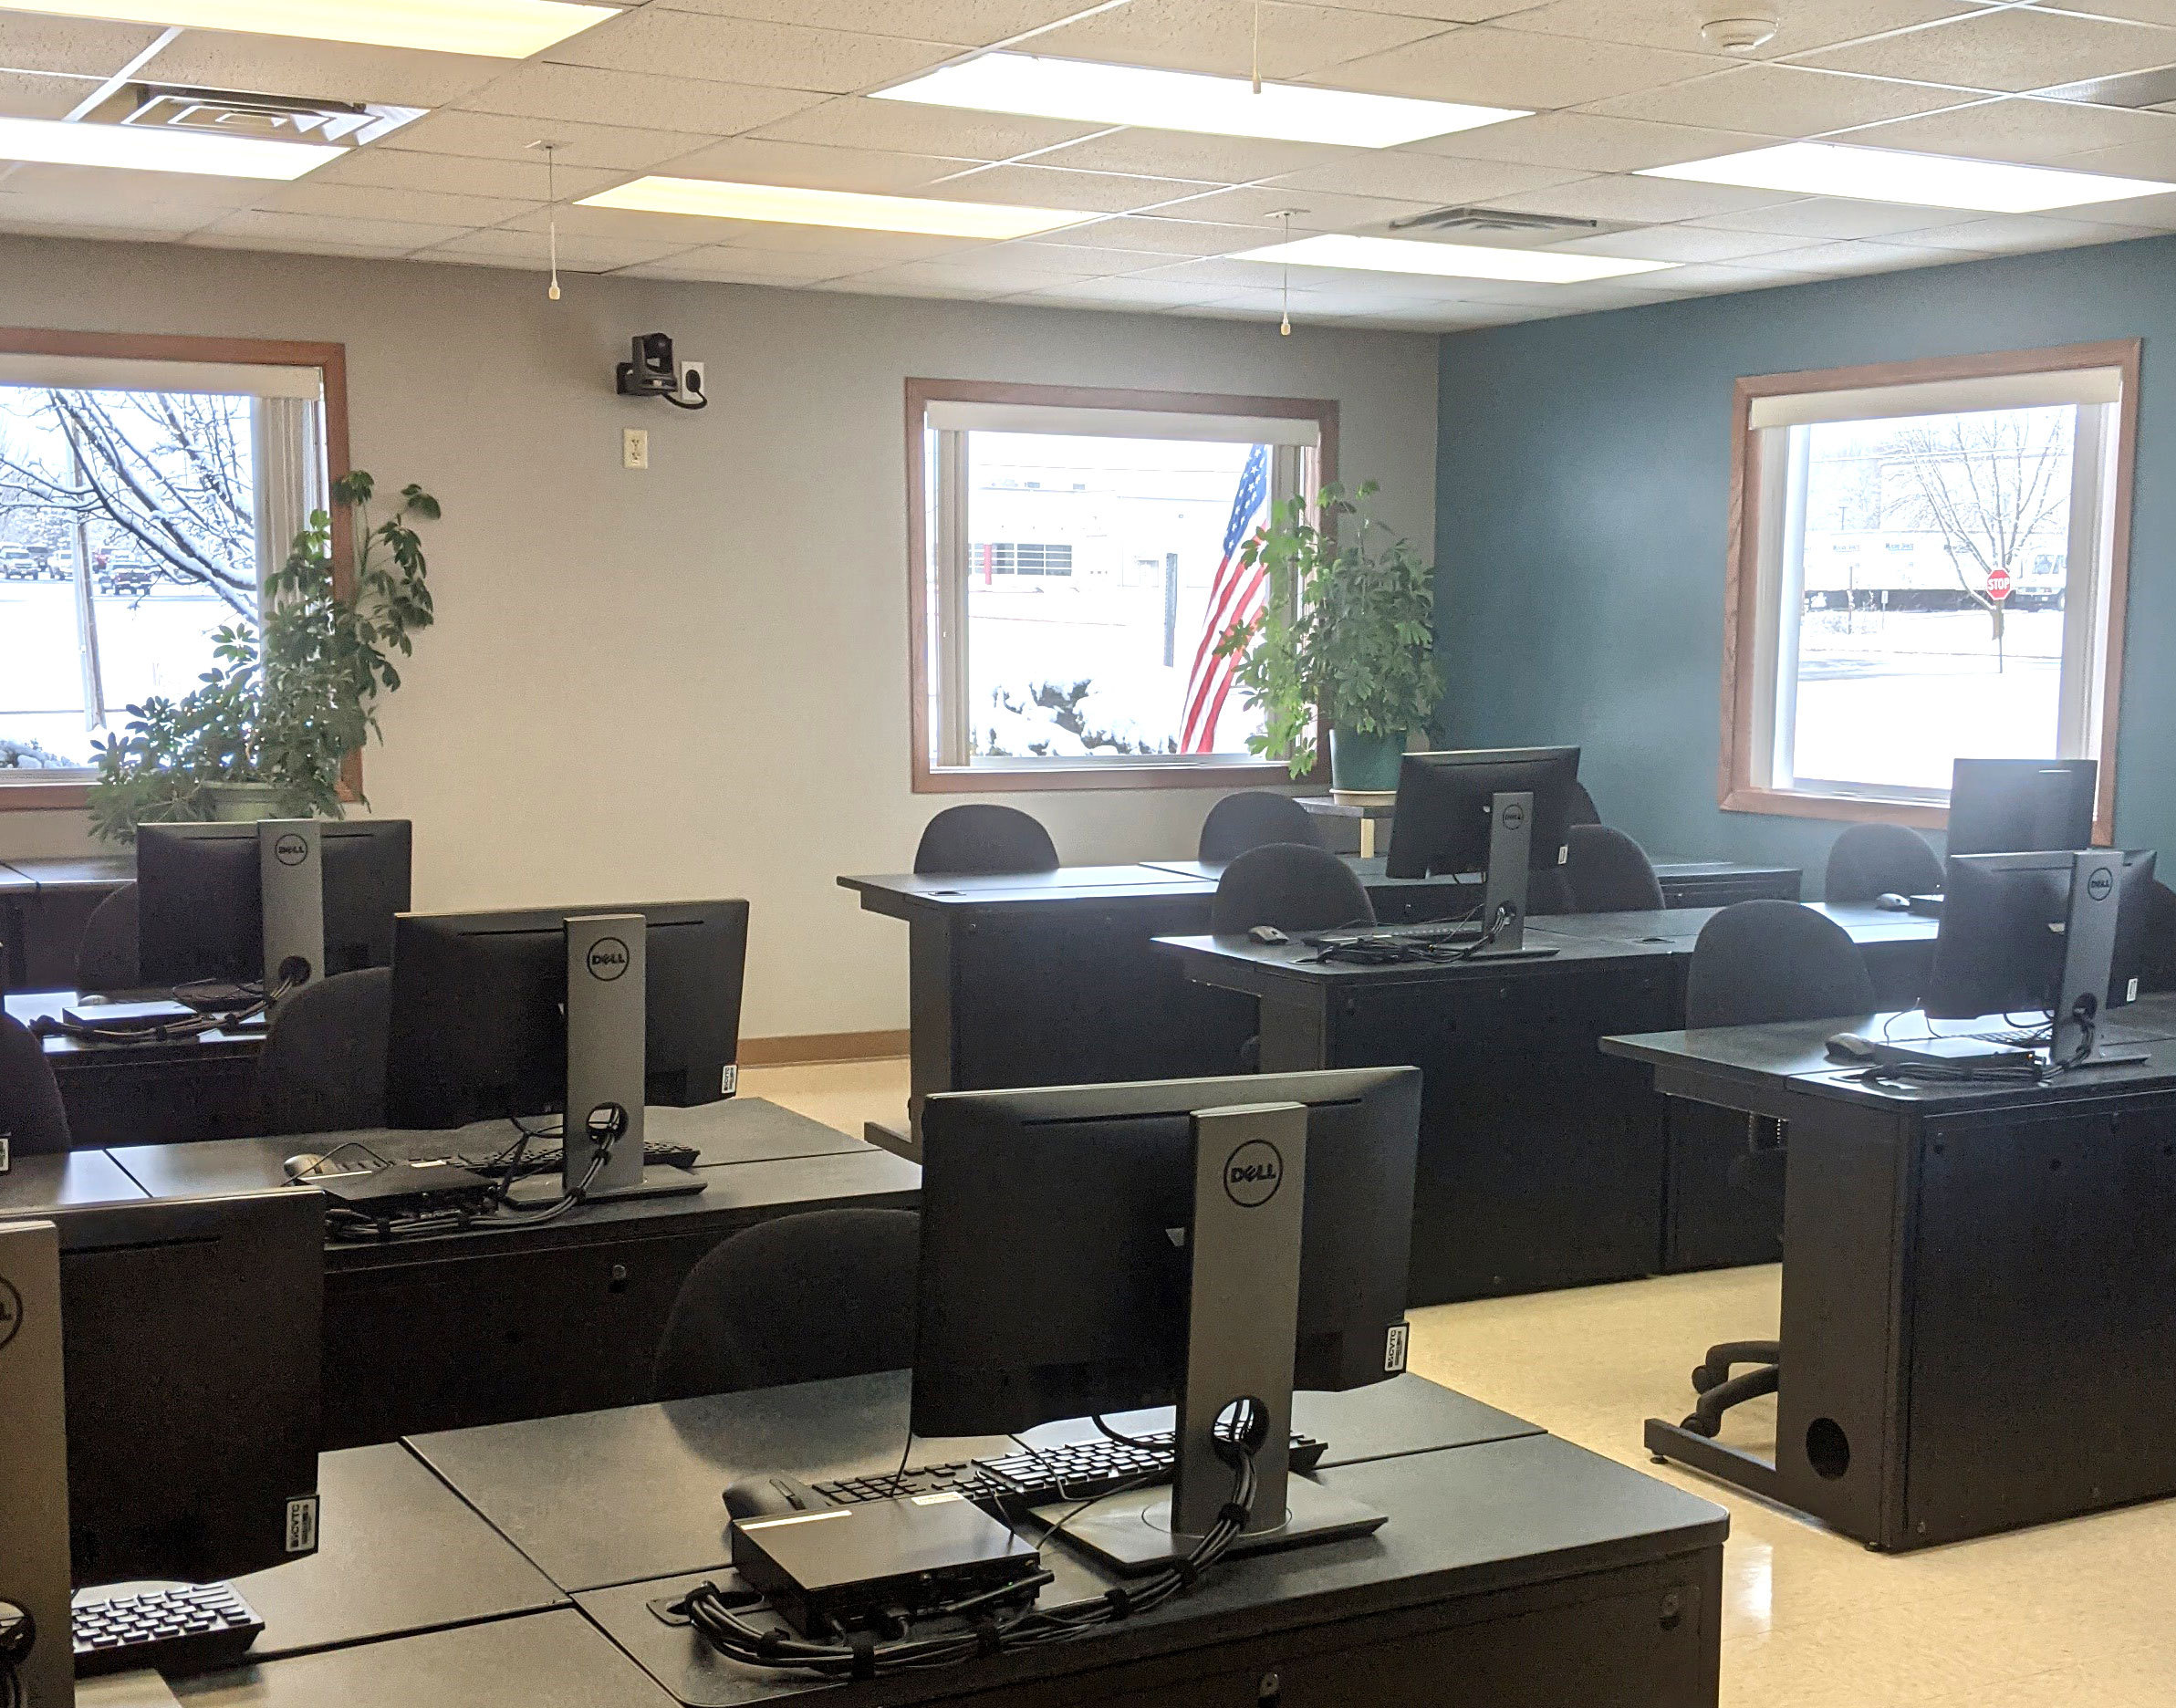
x=158 y=1031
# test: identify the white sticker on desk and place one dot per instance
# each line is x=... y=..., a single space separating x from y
x=1394 y=1351
x=729 y=1079
x=302 y=1525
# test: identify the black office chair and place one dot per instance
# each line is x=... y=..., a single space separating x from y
x=1296 y=887
x=1251 y=820
x=322 y=1069
x=1873 y=859
x=1583 y=809
x=1608 y=872
x=980 y=837
x=31 y=1114
x=2157 y=960
x=1753 y=965
x=106 y=960
x=802 y=1299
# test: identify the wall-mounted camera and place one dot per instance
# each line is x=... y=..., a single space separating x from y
x=654 y=374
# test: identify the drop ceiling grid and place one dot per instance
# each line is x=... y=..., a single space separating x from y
x=776 y=91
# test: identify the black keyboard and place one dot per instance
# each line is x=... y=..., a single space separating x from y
x=177 y=1631
x=1074 y=1471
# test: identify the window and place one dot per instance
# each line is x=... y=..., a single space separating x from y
x=1928 y=563
x=147 y=486
x=1075 y=553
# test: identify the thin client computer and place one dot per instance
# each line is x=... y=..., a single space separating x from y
x=2055 y=933
x=1505 y=812
x=1202 y=1242
x=2021 y=806
x=286 y=899
x=586 y=1012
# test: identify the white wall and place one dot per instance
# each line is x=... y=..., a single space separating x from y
x=691 y=680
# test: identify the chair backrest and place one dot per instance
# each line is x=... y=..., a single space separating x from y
x=106 y=960
x=1583 y=809
x=800 y=1299
x=1871 y=860
x=2157 y=963
x=322 y=1069
x=1608 y=872
x=1764 y=961
x=30 y=1109
x=982 y=837
x=1254 y=818
x=1294 y=886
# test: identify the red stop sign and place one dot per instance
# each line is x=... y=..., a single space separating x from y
x=1998 y=584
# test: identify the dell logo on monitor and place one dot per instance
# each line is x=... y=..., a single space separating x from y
x=291 y=850
x=608 y=958
x=2099 y=883
x=1253 y=1173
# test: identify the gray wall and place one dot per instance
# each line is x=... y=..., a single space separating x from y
x=1581 y=513
x=691 y=680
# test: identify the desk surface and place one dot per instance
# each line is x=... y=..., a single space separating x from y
x=49 y=1183
x=897 y=892
x=31 y=1005
x=609 y=1497
x=78 y=873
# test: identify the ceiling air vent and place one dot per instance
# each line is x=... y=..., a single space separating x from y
x=267 y=118
x=1497 y=220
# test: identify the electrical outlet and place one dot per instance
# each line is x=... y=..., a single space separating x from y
x=693 y=382
x=634 y=447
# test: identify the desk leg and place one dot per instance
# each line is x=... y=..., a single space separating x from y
x=1294 y=1038
x=1366 y=838
x=932 y=1063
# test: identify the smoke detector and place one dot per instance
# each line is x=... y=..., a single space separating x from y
x=232 y=113
x=1740 y=30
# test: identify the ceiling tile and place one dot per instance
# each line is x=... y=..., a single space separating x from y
x=289 y=244
x=279 y=64
x=856 y=121
x=1156 y=234
x=2007 y=48
x=1407 y=177
x=978 y=278
x=1048 y=187
x=803 y=165
x=748 y=51
x=1833 y=217
x=1119 y=293
x=58 y=223
x=104 y=188
x=369 y=201
x=1188 y=154
x=862 y=249
x=587 y=94
x=2020 y=233
x=496 y=136
x=523 y=179
x=2155 y=160
x=41 y=95
x=1834 y=258
x=969 y=22
x=2138 y=11
x=34 y=204
x=1443 y=11
x=1581 y=141
x=273 y=226
x=666 y=230
x=1675 y=24
x=81 y=47
x=1318 y=210
x=1500 y=67
x=2159 y=211
x=2034 y=133
x=578 y=254
x=1217 y=35
x=1679 y=244
x=1648 y=200
x=1214 y=271
x=1084 y=260
x=1781 y=100
x=740 y=266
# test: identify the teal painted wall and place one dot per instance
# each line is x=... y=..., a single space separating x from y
x=1582 y=484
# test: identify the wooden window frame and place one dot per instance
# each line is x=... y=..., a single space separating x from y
x=24 y=793
x=1735 y=788
x=1081 y=774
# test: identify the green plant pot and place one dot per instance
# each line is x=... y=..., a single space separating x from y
x=1365 y=763
x=243 y=803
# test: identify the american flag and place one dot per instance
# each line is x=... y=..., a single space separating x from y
x=1235 y=596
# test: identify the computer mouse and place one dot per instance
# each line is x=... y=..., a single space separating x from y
x=772 y=1497
x=303 y=1163
x=1850 y=1047
x=1889 y=901
x=1266 y=934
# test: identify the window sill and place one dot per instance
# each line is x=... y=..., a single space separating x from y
x=1055 y=776
x=1848 y=809
x=44 y=791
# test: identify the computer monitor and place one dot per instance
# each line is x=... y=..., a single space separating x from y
x=1093 y=1249
x=190 y=1330
x=202 y=892
x=480 y=1022
x=2057 y=933
x=1503 y=811
x=2020 y=805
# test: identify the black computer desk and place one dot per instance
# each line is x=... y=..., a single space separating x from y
x=45 y=903
x=1543 y=1162
x=1979 y=1284
x=517 y=1321
x=149 y=1093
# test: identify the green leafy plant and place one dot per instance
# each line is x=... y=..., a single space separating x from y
x=287 y=702
x=1346 y=629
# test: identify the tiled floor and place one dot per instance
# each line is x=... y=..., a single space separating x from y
x=2076 y=1615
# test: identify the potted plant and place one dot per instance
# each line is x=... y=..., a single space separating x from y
x=1346 y=632
x=265 y=733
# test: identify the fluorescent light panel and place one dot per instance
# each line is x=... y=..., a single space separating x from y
x=1188 y=101
x=54 y=142
x=503 y=29
x=1942 y=180
x=1442 y=260
x=710 y=199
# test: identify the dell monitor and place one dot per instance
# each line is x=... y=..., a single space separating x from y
x=1504 y=811
x=2055 y=933
x=2021 y=806
x=286 y=899
x=540 y=1011
x=190 y=1330
x=1195 y=1242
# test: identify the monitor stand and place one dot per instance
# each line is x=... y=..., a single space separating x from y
x=1243 y=1316
x=1508 y=877
x=291 y=898
x=607 y=1020
x=2088 y=962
